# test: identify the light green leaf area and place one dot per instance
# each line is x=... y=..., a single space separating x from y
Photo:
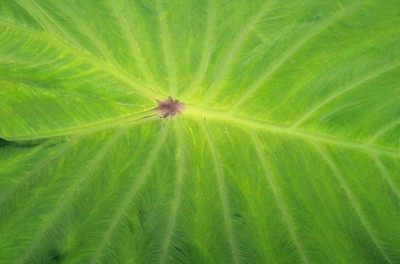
x=287 y=150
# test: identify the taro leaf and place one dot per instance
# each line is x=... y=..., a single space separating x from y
x=287 y=150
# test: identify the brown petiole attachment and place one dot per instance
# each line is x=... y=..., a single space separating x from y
x=169 y=107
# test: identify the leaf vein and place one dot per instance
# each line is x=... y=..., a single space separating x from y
x=343 y=90
x=279 y=198
x=382 y=131
x=177 y=197
x=240 y=121
x=134 y=49
x=137 y=118
x=206 y=56
x=223 y=195
x=353 y=201
x=49 y=23
x=66 y=199
x=101 y=65
x=290 y=52
x=139 y=182
x=385 y=175
x=62 y=149
x=88 y=32
x=166 y=44
x=237 y=45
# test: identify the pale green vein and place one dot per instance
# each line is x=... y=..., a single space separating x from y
x=177 y=195
x=206 y=56
x=290 y=52
x=240 y=121
x=96 y=208
x=21 y=159
x=39 y=166
x=166 y=44
x=87 y=32
x=302 y=86
x=383 y=130
x=70 y=193
x=279 y=198
x=385 y=175
x=134 y=49
x=45 y=20
x=337 y=93
x=140 y=180
x=86 y=57
x=88 y=128
x=353 y=201
x=223 y=193
x=67 y=113
x=237 y=45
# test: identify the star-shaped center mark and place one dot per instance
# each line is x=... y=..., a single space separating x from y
x=169 y=107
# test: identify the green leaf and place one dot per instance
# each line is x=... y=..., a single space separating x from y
x=287 y=150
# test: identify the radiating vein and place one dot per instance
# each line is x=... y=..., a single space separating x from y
x=385 y=175
x=236 y=120
x=70 y=194
x=166 y=44
x=67 y=113
x=278 y=198
x=237 y=45
x=206 y=56
x=343 y=90
x=177 y=195
x=96 y=208
x=86 y=57
x=87 y=31
x=88 y=128
x=140 y=180
x=353 y=202
x=46 y=20
x=289 y=53
x=15 y=161
x=64 y=147
x=383 y=130
x=134 y=49
x=223 y=194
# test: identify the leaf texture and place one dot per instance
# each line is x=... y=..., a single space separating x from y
x=287 y=150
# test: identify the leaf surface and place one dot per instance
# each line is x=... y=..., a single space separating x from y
x=287 y=150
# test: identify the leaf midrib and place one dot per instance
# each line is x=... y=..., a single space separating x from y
x=217 y=115
x=88 y=128
x=243 y=121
